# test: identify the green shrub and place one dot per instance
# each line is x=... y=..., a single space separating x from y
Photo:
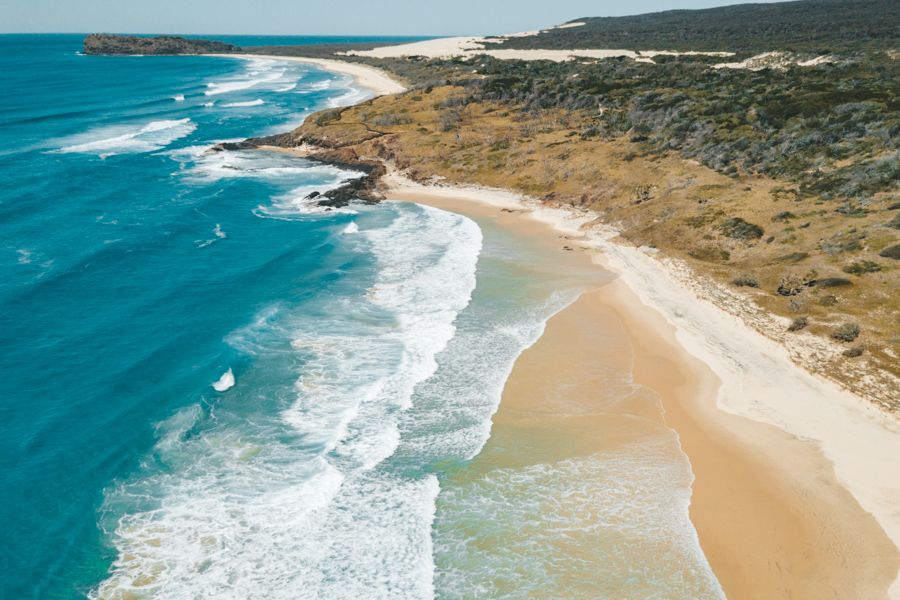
x=891 y=252
x=710 y=254
x=739 y=229
x=862 y=267
x=745 y=281
x=830 y=282
x=798 y=324
x=829 y=300
x=793 y=257
x=791 y=285
x=846 y=332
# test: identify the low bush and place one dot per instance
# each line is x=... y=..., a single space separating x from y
x=846 y=332
x=791 y=285
x=739 y=229
x=710 y=254
x=831 y=282
x=745 y=281
x=829 y=300
x=798 y=324
x=862 y=267
x=891 y=252
x=784 y=216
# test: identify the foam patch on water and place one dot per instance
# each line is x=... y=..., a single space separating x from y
x=350 y=97
x=349 y=389
x=25 y=256
x=225 y=382
x=455 y=406
x=299 y=502
x=243 y=83
x=247 y=104
x=204 y=165
x=304 y=199
x=126 y=139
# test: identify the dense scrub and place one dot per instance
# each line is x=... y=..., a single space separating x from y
x=814 y=25
x=833 y=129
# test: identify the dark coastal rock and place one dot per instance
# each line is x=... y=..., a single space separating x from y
x=357 y=189
x=101 y=43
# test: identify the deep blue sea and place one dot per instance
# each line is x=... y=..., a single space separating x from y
x=135 y=270
x=213 y=388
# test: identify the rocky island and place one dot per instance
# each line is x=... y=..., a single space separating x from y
x=101 y=43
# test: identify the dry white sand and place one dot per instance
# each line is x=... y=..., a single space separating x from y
x=774 y=60
x=474 y=46
x=759 y=380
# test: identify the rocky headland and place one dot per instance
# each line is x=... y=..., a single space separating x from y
x=101 y=43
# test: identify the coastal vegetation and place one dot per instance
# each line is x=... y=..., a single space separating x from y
x=781 y=182
x=816 y=25
x=784 y=182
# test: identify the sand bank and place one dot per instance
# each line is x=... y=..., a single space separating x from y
x=369 y=78
x=474 y=46
x=797 y=484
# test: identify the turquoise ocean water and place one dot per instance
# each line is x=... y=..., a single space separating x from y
x=368 y=346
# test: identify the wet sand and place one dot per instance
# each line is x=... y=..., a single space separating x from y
x=771 y=516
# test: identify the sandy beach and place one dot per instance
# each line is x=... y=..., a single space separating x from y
x=796 y=482
x=774 y=514
x=375 y=80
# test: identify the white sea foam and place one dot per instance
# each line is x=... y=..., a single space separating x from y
x=214 y=89
x=218 y=232
x=300 y=503
x=124 y=139
x=286 y=88
x=25 y=256
x=248 y=103
x=319 y=85
x=351 y=228
x=178 y=97
x=259 y=73
x=473 y=371
x=206 y=166
x=422 y=286
x=225 y=382
x=303 y=200
x=350 y=97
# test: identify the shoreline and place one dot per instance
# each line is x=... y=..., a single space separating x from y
x=847 y=474
x=370 y=78
x=775 y=511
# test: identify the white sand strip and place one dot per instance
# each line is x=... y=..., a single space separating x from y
x=473 y=46
x=759 y=380
x=369 y=78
